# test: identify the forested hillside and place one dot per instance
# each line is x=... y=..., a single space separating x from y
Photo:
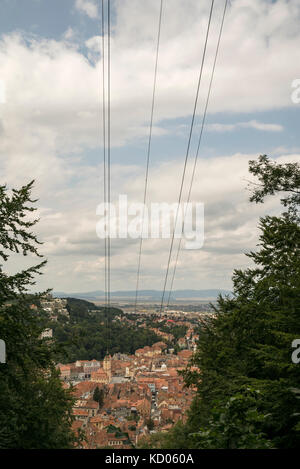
x=91 y=330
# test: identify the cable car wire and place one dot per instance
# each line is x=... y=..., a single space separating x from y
x=187 y=152
x=199 y=144
x=148 y=154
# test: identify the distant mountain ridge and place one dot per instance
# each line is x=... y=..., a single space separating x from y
x=147 y=294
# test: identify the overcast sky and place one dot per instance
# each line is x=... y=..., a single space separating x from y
x=50 y=126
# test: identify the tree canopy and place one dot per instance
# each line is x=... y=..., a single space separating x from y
x=35 y=410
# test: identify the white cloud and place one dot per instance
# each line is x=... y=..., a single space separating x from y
x=69 y=34
x=230 y=227
x=52 y=117
x=262 y=126
x=89 y=7
x=94 y=43
x=52 y=85
x=76 y=255
x=245 y=125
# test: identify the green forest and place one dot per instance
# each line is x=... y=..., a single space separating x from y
x=92 y=329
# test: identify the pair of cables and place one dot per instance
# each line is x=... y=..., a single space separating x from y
x=198 y=147
x=106 y=91
x=106 y=129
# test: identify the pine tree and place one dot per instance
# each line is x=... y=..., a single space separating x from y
x=35 y=410
x=98 y=396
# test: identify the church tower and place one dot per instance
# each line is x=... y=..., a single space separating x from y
x=107 y=366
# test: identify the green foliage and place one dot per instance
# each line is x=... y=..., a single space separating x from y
x=91 y=330
x=35 y=411
x=150 y=424
x=274 y=178
x=235 y=425
x=80 y=310
x=177 y=438
x=132 y=428
x=176 y=331
x=98 y=396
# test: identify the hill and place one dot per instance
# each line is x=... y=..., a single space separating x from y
x=155 y=295
x=90 y=331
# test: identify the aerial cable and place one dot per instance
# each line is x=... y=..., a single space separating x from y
x=108 y=141
x=187 y=153
x=199 y=144
x=104 y=156
x=108 y=165
x=106 y=116
x=148 y=153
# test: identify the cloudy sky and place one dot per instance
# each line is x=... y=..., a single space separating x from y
x=50 y=126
